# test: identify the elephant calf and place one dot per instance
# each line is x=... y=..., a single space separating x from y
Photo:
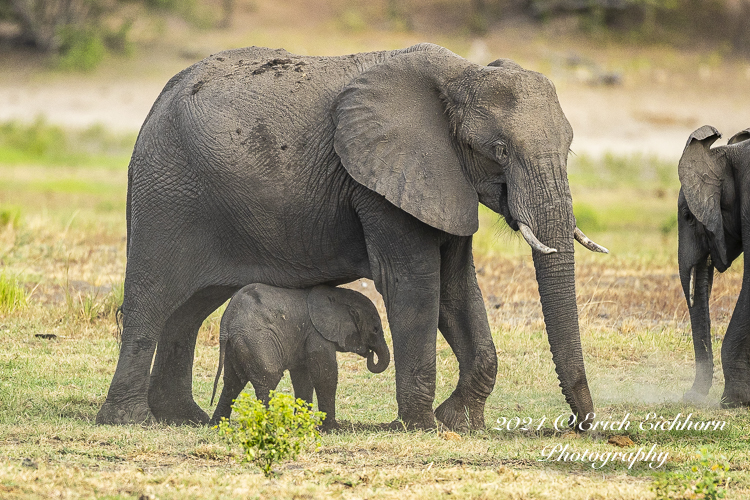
x=266 y=330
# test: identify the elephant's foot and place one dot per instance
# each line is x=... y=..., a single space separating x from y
x=701 y=385
x=176 y=410
x=216 y=420
x=125 y=414
x=329 y=426
x=461 y=414
x=694 y=396
x=414 y=419
x=427 y=422
x=735 y=397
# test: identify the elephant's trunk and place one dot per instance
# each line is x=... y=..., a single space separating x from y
x=697 y=280
x=384 y=357
x=547 y=209
x=555 y=275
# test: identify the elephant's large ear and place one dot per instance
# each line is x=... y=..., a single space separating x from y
x=331 y=316
x=740 y=136
x=701 y=176
x=393 y=135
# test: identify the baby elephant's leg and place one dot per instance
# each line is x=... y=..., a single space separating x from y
x=233 y=385
x=302 y=383
x=324 y=375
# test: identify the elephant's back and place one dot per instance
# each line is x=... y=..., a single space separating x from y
x=268 y=107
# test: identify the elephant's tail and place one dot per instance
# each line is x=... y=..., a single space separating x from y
x=222 y=350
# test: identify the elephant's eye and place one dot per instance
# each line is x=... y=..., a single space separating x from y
x=501 y=151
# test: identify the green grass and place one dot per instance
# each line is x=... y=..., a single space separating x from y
x=66 y=246
x=40 y=143
x=12 y=295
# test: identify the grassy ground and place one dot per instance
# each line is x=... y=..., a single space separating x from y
x=62 y=241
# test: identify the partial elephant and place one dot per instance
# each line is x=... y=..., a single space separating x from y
x=260 y=166
x=713 y=220
x=267 y=330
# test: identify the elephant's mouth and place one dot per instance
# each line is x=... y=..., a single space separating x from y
x=504 y=207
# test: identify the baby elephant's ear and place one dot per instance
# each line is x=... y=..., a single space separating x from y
x=330 y=315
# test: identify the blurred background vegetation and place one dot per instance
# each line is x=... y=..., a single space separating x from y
x=80 y=33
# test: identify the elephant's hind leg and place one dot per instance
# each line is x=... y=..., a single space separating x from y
x=127 y=402
x=463 y=323
x=127 y=398
x=170 y=394
x=234 y=382
x=735 y=352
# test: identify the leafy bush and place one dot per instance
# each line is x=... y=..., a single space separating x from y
x=269 y=435
x=81 y=49
x=79 y=32
x=704 y=480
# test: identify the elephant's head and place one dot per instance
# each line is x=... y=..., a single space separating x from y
x=436 y=134
x=351 y=321
x=709 y=228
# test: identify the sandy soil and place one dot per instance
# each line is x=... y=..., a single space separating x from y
x=620 y=99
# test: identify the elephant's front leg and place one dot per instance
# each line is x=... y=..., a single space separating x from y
x=463 y=323
x=413 y=306
x=405 y=265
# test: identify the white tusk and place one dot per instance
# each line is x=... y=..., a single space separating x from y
x=533 y=242
x=586 y=242
x=692 y=287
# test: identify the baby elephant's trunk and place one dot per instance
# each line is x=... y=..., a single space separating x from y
x=383 y=354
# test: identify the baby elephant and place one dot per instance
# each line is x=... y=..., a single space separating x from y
x=266 y=330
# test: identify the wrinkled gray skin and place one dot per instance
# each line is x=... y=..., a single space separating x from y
x=266 y=330
x=260 y=166
x=713 y=221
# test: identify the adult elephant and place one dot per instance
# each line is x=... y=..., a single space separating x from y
x=260 y=166
x=713 y=221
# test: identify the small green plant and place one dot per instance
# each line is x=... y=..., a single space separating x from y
x=704 y=481
x=269 y=435
x=10 y=216
x=12 y=294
